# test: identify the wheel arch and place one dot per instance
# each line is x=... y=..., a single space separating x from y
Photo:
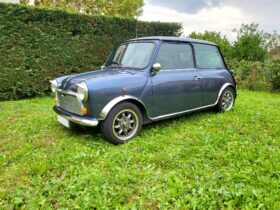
x=223 y=88
x=234 y=89
x=131 y=99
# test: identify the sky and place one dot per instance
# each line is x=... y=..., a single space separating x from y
x=214 y=15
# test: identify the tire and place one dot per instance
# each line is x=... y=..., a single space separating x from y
x=122 y=123
x=226 y=100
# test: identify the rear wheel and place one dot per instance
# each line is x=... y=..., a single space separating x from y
x=226 y=101
x=123 y=123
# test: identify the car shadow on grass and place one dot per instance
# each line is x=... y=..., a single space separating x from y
x=86 y=134
x=90 y=134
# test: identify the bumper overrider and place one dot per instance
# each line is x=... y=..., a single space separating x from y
x=81 y=120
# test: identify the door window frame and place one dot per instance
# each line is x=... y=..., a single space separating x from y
x=177 y=42
x=213 y=68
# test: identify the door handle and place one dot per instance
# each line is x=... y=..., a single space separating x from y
x=197 y=77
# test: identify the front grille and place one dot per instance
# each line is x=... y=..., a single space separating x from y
x=69 y=103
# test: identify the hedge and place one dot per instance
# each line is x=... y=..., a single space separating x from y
x=37 y=45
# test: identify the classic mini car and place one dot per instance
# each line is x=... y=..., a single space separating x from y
x=144 y=80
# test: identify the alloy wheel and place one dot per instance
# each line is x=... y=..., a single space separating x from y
x=227 y=100
x=125 y=124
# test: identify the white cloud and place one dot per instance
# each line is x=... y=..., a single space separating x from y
x=186 y=6
x=10 y=1
x=223 y=18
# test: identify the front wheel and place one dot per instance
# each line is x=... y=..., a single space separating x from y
x=123 y=123
x=226 y=101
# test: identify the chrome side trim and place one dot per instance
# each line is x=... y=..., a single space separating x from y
x=113 y=102
x=182 y=112
x=103 y=114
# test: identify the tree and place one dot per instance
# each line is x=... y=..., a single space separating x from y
x=119 y=8
x=273 y=45
x=272 y=40
x=250 y=44
x=217 y=38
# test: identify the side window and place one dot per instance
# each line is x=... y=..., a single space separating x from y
x=175 y=56
x=208 y=56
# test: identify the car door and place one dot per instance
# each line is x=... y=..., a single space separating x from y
x=177 y=86
x=212 y=69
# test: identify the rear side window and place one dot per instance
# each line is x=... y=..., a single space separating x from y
x=208 y=56
x=175 y=56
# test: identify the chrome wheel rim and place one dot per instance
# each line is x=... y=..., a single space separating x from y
x=227 y=100
x=125 y=124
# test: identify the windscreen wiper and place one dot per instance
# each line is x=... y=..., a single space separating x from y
x=115 y=65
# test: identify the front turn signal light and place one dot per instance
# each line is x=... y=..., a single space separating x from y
x=84 y=111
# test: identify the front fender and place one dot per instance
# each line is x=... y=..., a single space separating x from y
x=107 y=91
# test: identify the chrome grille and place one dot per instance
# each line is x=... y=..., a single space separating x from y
x=69 y=103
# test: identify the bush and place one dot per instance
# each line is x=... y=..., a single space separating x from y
x=273 y=69
x=37 y=45
x=256 y=75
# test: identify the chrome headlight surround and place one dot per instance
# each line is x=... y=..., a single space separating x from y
x=82 y=92
x=53 y=85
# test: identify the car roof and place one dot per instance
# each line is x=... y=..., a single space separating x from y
x=172 y=38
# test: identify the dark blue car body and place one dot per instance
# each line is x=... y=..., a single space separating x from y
x=162 y=95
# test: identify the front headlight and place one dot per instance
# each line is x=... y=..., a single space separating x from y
x=82 y=92
x=53 y=85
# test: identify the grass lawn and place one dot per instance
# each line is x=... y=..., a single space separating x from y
x=202 y=160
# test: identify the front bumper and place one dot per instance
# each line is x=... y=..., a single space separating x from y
x=86 y=121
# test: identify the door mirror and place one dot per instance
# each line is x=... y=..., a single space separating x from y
x=156 y=68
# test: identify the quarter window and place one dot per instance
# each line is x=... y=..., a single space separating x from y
x=208 y=56
x=175 y=56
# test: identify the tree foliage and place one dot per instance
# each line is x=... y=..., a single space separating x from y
x=273 y=44
x=118 y=8
x=250 y=44
x=272 y=40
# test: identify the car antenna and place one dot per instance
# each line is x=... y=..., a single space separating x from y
x=136 y=30
x=136 y=35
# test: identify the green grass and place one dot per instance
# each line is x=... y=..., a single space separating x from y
x=202 y=160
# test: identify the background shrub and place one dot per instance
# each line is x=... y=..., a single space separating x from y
x=37 y=45
x=256 y=75
x=274 y=74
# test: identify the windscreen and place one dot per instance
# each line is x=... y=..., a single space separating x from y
x=135 y=55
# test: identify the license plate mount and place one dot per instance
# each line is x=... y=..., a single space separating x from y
x=63 y=121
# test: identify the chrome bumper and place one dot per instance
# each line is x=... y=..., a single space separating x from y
x=86 y=121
